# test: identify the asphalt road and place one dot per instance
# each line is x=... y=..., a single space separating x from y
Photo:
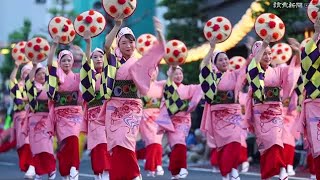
x=9 y=170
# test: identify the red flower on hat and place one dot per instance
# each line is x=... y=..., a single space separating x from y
x=147 y=43
x=99 y=19
x=113 y=9
x=88 y=19
x=275 y=35
x=22 y=50
x=176 y=53
x=36 y=47
x=281 y=25
x=127 y=11
x=279 y=51
x=209 y=34
x=263 y=32
x=209 y=23
x=216 y=27
x=65 y=28
x=219 y=36
x=314 y=14
x=272 y=24
x=140 y=40
x=46 y=48
x=121 y=1
x=54 y=30
x=79 y=18
x=93 y=29
x=261 y=20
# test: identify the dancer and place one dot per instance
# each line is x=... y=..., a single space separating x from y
x=175 y=118
x=264 y=106
x=19 y=96
x=94 y=125
x=148 y=128
x=41 y=128
x=222 y=118
x=123 y=78
x=65 y=110
x=310 y=107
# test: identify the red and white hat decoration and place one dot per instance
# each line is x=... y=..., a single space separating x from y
x=281 y=53
x=236 y=62
x=176 y=53
x=37 y=49
x=313 y=9
x=18 y=52
x=217 y=27
x=119 y=8
x=92 y=21
x=145 y=42
x=304 y=43
x=62 y=27
x=271 y=24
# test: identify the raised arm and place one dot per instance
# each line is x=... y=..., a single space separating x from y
x=14 y=71
x=87 y=39
x=207 y=58
x=260 y=52
x=53 y=50
x=112 y=34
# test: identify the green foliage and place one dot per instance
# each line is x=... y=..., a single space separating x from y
x=288 y=15
x=185 y=18
x=22 y=34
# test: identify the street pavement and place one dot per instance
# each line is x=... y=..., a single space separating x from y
x=9 y=170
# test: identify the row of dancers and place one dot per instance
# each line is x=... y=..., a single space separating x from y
x=115 y=96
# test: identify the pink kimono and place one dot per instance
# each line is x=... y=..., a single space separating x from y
x=68 y=119
x=148 y=126
x=178 y=125
x=123 y=115
x=267 y=117
x=224 y=122
x=290 y=133
x=41 y=129
x=94 y=124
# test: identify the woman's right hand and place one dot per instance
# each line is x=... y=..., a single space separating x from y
x=56 y=40
x=213 y=43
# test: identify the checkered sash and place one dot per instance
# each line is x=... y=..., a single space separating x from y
x=299 y=90
x=209 y=81
x=310 y=69
x=17 y=93
x=172 y=99
x=255 y=77
x=111 y=64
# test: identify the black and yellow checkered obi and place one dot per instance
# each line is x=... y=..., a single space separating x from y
x=149 y=102
x=42 y=106
x=66 y=98
x=125 y=89
x=96 y=101
x=270 y=94
x=173 y=101
x=224 y=97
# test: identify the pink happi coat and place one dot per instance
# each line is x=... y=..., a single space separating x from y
x=310 y=117
x=41 y=128
x=93 y=124
x=267 y=118
x=211 y=141
x=177 y=126
x=148 y=126
x=224 y=122
x=67 y=119
x=290 y=133
x=244 y=132
x=123 y=115
x=20 y=122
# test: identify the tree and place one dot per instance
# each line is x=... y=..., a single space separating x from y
x=294 y=18
x=184 y=25
x=184 y=19
x=19 y=35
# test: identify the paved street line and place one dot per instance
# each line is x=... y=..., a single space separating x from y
x=7 y=164
x=86 y=175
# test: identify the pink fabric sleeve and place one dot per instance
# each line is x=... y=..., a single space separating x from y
x=156 y=89
x=289 y=76
x=141 y=71
x=84 y=124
